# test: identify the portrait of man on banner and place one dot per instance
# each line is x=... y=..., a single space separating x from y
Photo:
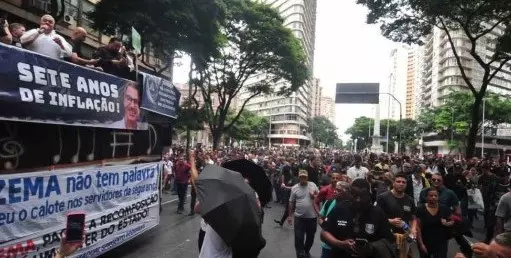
x=131 y=104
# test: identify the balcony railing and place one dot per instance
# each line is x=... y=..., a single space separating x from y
x=290 y=132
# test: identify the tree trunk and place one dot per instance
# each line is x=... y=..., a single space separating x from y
x=216 y=134
x=474 y=127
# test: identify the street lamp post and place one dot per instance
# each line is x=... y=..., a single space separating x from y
x=452 y=125
x=388 y=126
x=269 y=133
x=400 y=119
x=482 y=129
x=392 y=96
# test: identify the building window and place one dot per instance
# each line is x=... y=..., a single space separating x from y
x=85 y=21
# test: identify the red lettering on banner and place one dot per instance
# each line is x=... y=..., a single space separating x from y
x=19 y=249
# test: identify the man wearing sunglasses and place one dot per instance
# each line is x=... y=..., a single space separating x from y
x=446 y=196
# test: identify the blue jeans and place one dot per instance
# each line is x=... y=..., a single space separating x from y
x=305 y=230
x=181 y=194
x=326 y=253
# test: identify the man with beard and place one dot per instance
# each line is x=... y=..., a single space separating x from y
x=353 y=227
x=400 y=209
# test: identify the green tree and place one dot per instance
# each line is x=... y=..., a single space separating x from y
x=189 y=117
x=426 y=120
x=362 y=130
x=248 y=127
x=166 y=26
x=481 y=22
x=410 y=132
x=452 y=118
x=255 y=42
x=323 y=131
x=338 y=144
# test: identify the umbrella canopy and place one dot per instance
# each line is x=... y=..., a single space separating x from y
x=228 y=205
x=256 y=176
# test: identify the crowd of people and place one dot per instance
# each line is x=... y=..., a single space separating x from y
x=369 y=205
x=114 y=58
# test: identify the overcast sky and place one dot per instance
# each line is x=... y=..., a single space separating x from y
x=347 y=50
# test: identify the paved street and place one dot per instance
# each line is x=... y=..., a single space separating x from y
x=176 y=236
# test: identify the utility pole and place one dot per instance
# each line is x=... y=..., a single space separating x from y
x=452 y=124
x=269 y=133
x=482 y=129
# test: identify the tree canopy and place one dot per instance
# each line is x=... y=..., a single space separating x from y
x=362 y=130
x=453 y=117
x=255 y=43
x=480 y=22
x=323 y=131
x=165 y=26
x=249 y=127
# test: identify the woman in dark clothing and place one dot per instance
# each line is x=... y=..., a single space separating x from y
x=433 y=219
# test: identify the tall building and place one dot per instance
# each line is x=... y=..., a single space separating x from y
x=441 y=73
x=396 y=86
x=413 y=81
x=317 y=92
x=288 y=115
x=327 y=108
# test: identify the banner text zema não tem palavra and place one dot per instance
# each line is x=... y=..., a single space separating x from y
x=120 y=202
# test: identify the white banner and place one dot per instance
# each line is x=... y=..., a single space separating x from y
x=120 y=202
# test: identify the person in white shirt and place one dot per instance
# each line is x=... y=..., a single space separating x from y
x=214 y=246
x=167 y=172
x=46 y=41
x=357 y=171
x=208 y=159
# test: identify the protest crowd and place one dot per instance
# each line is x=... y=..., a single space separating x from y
x=361 y=204
x=368 y=205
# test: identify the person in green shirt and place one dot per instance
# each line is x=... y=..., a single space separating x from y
x=341 y=191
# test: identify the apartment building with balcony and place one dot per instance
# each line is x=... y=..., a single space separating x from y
x=317 y=92
x=441 y=74
x=288 y=115
x=413 y=81
x=327 y=108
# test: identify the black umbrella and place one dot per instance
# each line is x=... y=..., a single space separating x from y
x=229 y=206
x=256 y=176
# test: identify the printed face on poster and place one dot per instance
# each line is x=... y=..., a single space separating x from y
x=39 y=89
